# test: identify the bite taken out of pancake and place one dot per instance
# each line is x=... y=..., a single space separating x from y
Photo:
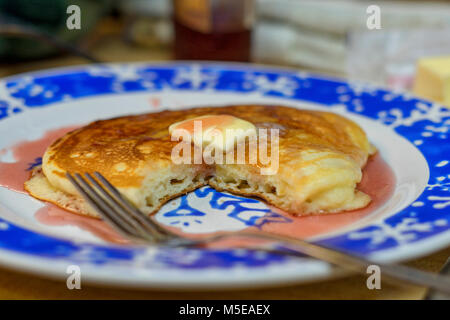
x=321 y=156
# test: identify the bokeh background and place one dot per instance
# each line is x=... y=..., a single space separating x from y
x=325 y=36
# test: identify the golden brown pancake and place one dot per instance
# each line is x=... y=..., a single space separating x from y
x=321 y=155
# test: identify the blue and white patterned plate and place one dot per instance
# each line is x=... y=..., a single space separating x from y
x=411 y=134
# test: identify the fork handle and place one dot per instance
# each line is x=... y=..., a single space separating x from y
x=349 y=261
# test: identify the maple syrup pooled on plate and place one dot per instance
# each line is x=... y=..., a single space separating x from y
x=27 y=154
x=52 y=215
x=378 y=182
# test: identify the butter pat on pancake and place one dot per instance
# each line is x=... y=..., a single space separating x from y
x=321 y=155
x=221 y=132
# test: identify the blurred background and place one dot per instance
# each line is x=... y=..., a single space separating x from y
x=410 y=50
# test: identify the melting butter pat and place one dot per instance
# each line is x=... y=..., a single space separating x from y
x=221 y=132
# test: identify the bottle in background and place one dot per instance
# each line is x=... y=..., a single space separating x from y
x=213 y=29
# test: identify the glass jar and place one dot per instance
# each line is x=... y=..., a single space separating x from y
x=213 y=29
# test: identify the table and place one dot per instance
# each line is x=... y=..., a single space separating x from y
x=14 y=285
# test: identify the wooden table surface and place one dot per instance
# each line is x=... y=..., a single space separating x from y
x=14 y=285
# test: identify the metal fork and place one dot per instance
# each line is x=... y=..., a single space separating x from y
x=135 y=225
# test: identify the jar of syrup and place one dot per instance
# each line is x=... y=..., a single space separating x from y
x=213 y=29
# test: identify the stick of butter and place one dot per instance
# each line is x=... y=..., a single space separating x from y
x=221 y=132
x=433 y=79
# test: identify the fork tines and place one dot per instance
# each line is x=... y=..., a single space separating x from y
x=115 y=209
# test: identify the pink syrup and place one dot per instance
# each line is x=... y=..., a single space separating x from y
x=378 y=182
x=13 y=175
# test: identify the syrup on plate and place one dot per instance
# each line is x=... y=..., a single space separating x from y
x=378 y=182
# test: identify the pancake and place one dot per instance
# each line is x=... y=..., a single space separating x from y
x=321 y=156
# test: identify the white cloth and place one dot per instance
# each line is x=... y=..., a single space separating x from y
x=332 y=36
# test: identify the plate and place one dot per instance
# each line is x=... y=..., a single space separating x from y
x=411 y=135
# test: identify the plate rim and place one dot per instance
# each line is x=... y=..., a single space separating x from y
x=395 y=257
